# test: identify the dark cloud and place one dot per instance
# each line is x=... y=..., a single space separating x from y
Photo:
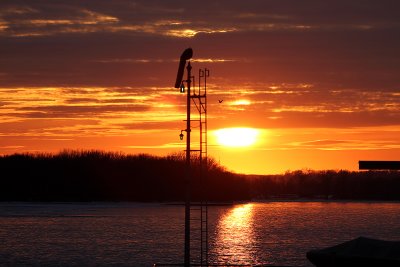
x=108 y=101
x=77 y=110
x=351 y=44
x=324 y=142
x=165 y=125
x=347 y=49
x=37 y=124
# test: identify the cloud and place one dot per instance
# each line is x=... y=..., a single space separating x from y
x=163 y=146
x=46 y=18
x=346 y=145
x=333 y=65
x=150 y=60
x=271 y=42
x=171 y=124
x=186 y=20
x=304 y=105
x=41 y=127
x=78 y=110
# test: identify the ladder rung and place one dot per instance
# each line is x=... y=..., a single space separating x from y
x=197 y=96
x=195 y=209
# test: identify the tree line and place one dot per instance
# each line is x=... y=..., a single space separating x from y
x=109 y=176
x=329 y=184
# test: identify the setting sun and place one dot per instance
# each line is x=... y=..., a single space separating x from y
x=236 y=137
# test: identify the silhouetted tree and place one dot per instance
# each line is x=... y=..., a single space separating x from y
x=93 y=175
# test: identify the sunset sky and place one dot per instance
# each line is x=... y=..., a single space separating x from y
x=318 y=81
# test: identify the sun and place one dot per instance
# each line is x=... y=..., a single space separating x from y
x=236 y=137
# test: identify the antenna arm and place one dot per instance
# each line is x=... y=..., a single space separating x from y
x=186 y=55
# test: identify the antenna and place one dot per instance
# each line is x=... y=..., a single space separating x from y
x=193 y=212
x=186 y=55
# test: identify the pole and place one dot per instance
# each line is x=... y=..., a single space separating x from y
x=188 y=182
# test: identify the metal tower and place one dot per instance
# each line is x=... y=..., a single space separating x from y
x=200 y=213
x=196 y=234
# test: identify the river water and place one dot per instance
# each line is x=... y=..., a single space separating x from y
x=136 y=234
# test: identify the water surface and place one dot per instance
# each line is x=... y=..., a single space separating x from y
x=134 y=234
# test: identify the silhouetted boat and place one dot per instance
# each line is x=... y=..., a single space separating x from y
x=358 y=252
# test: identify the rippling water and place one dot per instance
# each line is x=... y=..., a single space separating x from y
x=130 y=234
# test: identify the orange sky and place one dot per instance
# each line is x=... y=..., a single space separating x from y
x=319 y=81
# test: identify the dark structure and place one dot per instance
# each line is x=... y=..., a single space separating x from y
x=194 y=212
x=378 y=165
x=186 y=55
x=359 y=252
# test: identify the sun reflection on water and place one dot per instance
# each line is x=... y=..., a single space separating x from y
x=235 y=236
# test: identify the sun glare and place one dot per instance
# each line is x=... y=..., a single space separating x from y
x=236 y=137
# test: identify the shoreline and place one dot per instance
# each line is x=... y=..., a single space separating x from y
x=212 y=203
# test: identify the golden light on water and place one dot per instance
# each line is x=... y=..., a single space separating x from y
x=236 y=137
x=235 y=236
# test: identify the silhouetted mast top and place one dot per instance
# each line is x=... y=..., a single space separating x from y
x=186 y=55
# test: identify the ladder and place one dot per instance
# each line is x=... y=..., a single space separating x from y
x=199 y=211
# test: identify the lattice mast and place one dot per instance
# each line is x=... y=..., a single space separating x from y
x=199 y=98
x=195 y=211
